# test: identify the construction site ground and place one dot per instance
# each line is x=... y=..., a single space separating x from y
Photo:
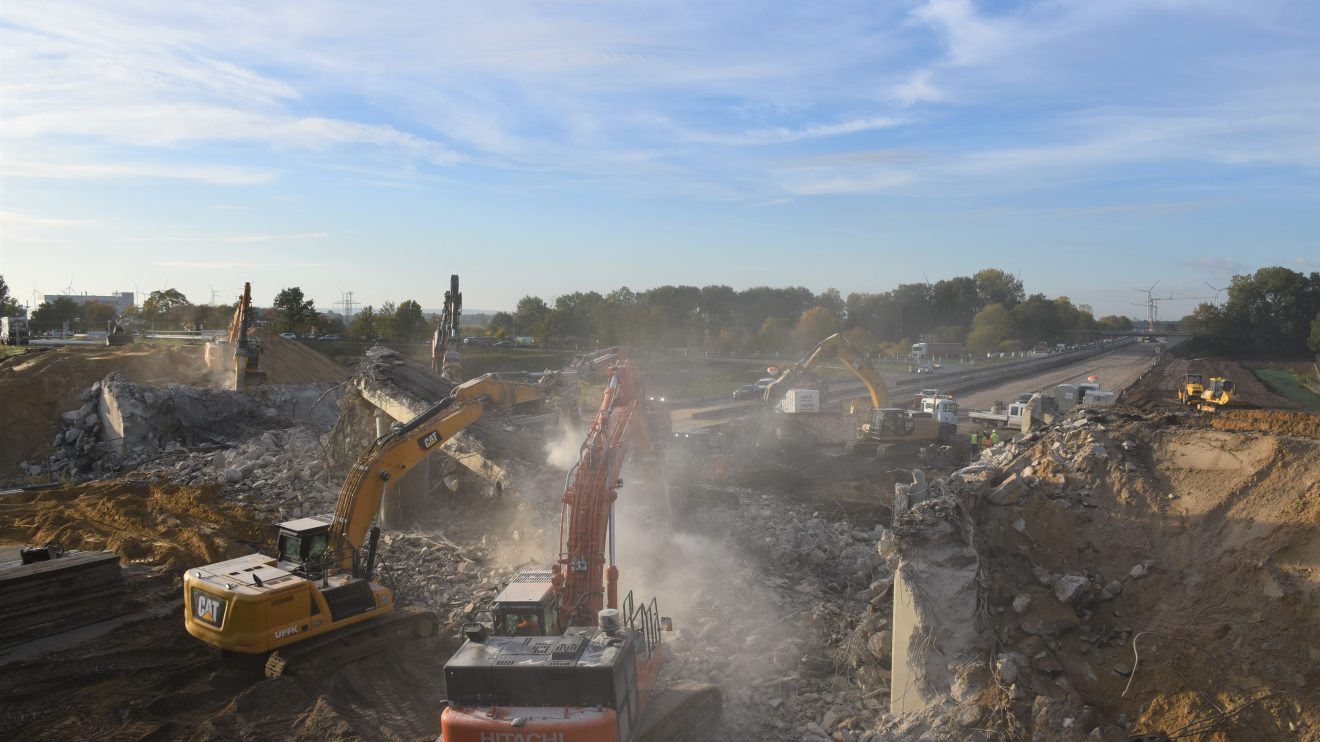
x=779 y=582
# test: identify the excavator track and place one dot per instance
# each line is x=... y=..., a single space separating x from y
x=351 y=643
x=683 y=712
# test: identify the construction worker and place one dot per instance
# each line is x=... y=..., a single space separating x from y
x=994 y=438
x=528 y=626
x=976 y=439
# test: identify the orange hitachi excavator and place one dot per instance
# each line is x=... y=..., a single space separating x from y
x=569 y=660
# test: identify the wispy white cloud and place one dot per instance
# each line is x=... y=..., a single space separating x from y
x=13 y=218
x=783 y=135
x=1217 y=267
x=234 y=239
x=233 y=264
x=214 y=174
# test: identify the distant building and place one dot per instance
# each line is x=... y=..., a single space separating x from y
x=121 y=301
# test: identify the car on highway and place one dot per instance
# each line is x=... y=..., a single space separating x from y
x=289 y=335
x=748 y=391
x=329 y=337
x=505 y=344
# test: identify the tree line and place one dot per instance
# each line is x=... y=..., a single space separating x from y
x=1273 y=312
x=987 y=311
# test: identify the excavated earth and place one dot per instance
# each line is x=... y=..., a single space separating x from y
x=1189 y=542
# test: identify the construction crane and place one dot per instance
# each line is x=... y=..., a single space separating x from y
x=446 y=343
x=886 y=426
x=569 y=660
x=317 y=594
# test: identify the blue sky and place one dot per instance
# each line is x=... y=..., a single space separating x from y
x=547 y=147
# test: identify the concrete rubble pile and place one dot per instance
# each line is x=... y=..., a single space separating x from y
x=265 y=446
x=778 y=634
x=1022 y=669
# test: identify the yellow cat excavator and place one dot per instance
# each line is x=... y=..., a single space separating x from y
x=317 y=593
x=887 y=429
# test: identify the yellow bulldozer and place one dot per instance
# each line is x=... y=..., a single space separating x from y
x=1189 y=393
x=1218 y=393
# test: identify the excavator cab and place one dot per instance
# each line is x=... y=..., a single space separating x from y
x=893 y=422
x=303 y=542
x=527 y=606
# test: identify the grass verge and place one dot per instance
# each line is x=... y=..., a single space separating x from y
x=1287 y=382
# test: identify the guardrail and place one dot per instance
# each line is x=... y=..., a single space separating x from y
x=949 y=382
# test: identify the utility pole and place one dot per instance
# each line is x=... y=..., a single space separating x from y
x=346 y=301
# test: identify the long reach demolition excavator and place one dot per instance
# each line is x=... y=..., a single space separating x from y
x=316 y=599
x=569 y=660
x=446 y=344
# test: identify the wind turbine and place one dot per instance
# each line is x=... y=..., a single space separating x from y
x=1152 y=309
x=1216 y=290
x=69 y=290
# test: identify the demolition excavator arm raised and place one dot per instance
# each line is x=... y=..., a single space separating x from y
x=319 y=587
x=834 y=346
x=581 y=664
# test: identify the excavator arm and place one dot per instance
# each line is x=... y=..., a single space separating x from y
x=834 y=346
x=403 y=447
x=446 y=343
x=628 y=420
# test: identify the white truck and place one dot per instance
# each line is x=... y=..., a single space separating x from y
x=1000 y=416
x=942 y=407
x=798 y=401
x=1087 y=393
x=14 y=331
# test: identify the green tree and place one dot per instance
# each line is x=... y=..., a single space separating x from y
x=9 y=306
x=997 y=287
x=51 y=315
x=774 y=336
x=992 y=329
x=501 y=325
x=385 y=320
x=529 y=318
x=168 y=306
x=96 y=315
x=409 y=321
x=1313 y=342
x=293 y=312
x=161 y=303
x=364 y=324
x=815 y=325
x=572 y=320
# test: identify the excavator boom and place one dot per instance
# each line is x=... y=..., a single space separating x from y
x=586 y=672
x=834 y=346
x=320 y=580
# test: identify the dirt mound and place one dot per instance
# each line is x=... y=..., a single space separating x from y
x=1158 y=387
x=1300 y=424
x=37 y=388
x=154 y=523
x=292 y=362
x=1166 y=577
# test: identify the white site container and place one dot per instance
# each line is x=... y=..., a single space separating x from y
x=800 y=400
